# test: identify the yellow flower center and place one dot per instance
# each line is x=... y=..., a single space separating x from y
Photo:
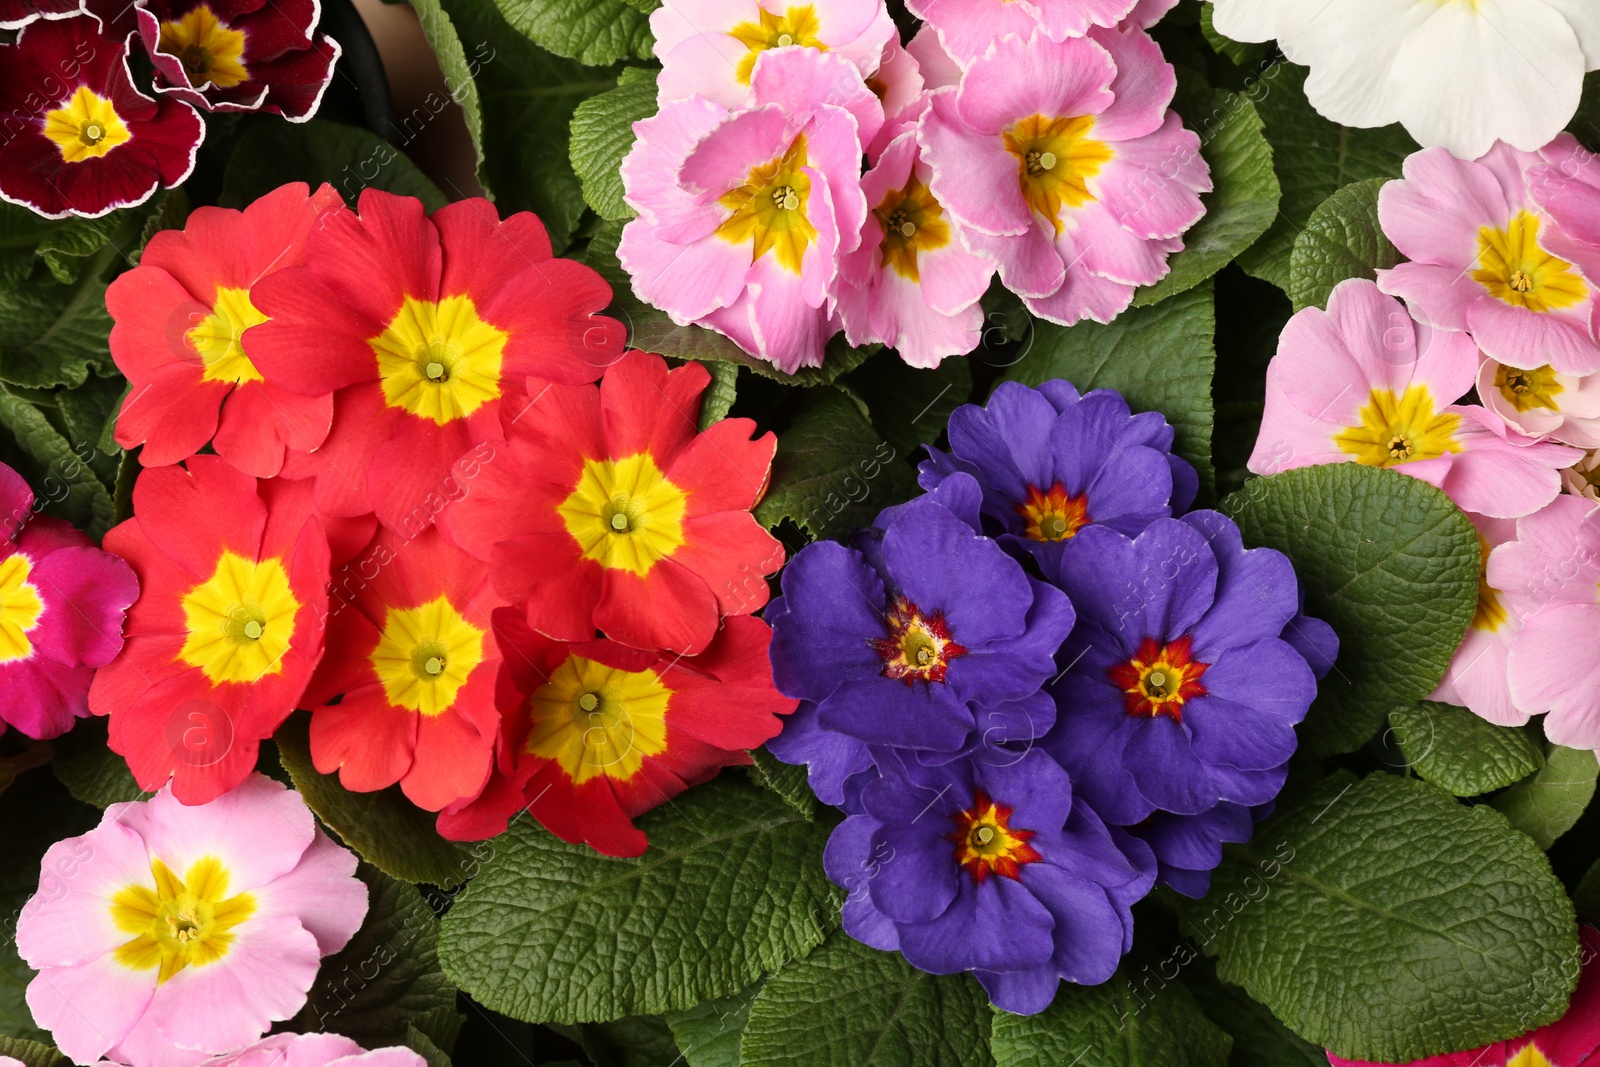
x=796 y=26
x=1530 y=1057
x=1528 y=389
x=218 y=339
x=207 y=48
x=20 y=608
x=425 y=656
x=987 y=844
x=1491 y=613
x=770 y=209
x=1053 y=515
x=240 y=620
x=182 y=922
x=596 y=720
x=1400 y=430
x=439 y=361
x=913 y=222
x=87 y=126
x=1055 y=160
x=625 y=514
x=1513 y=268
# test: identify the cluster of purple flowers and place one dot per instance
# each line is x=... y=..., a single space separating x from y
x=1035 y=692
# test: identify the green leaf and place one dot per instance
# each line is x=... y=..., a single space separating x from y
x=460 y=70
x=652 y=330
x=1456 y=750
x=784 y=779
x=847 y=1005
x=602 y=134
x=1122 y=1023
x=21 y=231
x=1390 y=563
x=89 y=416
x=387 y=976
x=1549 y=804
x=645 y=6
x=347 y=157
x=1244 y=201
x=1160 y=358
x=1586 y=898
x=60 y=476
x=171 y=214
x=65 y=251
x=1343 y=239
x=720 y=394
x=730 y=888
x=910 y=405
x=527 y=96
x=424 y=1046
x=35 y=813
x=708 y=1033
x=1314 y=159
x=89 y=769
x=832 y=473
x=32 y=1054
x=53 y=334
x=433 y=1034
x=594 y=32
x=1384 y=920
x=383 y=828
x=1259 y=1039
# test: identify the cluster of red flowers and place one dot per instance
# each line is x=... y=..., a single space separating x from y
x=421 y=515
x=78 y=138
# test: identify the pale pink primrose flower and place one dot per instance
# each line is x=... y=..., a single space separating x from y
x=1365 y=383
x=309 y=1050
x=1566 y=186
x=1476 y=678
x=1477 y=246
x=937 y=67
x=1067 y=169
x=1543 y=402
x=185 y=931
x=899 y=87
x=968 y=27
x=709 y=48
x=743 y=215
x=1550 y=576
x=911 y=284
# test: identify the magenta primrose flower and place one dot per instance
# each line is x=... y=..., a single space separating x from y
x=743 y=215
x=1364 y=383
x=1482 y=258
x=189 y=930
x=62 y=606
x=709 y=48
x=1066 y=168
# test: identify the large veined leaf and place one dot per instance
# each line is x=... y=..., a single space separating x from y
x=1244 y=201
x=1385 y=559
x=1160 y=358
x=730 y=888
x=347 y=157
x=1549 y=804
x=1385 y=920
x=1456 y=750
x=21 y=232
x=602 y=135
x=595 y=32
x=909 y=405
x=847 y=1005
x=90 y=770
x=61 y=477
x=1137 y=1019
x=832 y=473
x=54 y=334
x=383 y=828
x=32 y=1053
x=708 y=1034
x=1259 y=1039
x=1342 y=240
x=1314 y=159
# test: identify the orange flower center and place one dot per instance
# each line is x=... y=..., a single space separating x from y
x=1053 y=515
x=985 y=842
x=1159 y=678
x=918 y=646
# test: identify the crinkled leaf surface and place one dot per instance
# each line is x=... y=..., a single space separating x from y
x=847 y=1005
x=1387 y=921
x=730 y=888
x=602 y=135
x=1342 y=240
x=709 y=1033
x=1549 y=804
x=1390 y=563
x=1456 y=750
